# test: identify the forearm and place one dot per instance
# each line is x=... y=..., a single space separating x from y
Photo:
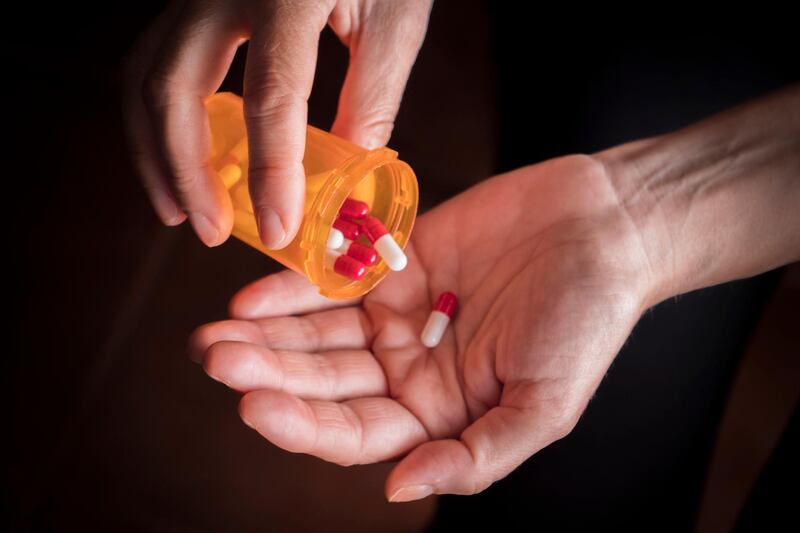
x=719 y=200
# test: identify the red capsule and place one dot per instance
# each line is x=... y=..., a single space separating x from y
x=374 y=229
x=346 y=266
x=447 y=303
x=354 y=209
x=362 y=252
x=350 y=229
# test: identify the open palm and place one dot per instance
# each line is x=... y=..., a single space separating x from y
x=550 y=278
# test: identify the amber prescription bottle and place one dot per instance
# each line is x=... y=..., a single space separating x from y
x=335 y=170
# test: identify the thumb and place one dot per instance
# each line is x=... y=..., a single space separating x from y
x=383 y=47
x=488 y=450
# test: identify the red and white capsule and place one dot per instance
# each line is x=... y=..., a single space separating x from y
x=360 y=252
x=335 y=239
x=344 y=265
x=440 y=317
x=384 y=244
x=349 y=229
x=354 y=209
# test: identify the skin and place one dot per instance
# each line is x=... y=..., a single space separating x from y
x=355 y=384
x=553 y=265
x=183 y=58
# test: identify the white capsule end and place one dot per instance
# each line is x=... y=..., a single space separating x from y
x=434 y=329
x=391 y=252
x=345 y=244
x=335 y=239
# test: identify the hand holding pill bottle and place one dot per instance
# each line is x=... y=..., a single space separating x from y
x=348 y=189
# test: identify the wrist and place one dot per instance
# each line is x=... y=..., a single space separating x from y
x=715 y=201
x=646 y=212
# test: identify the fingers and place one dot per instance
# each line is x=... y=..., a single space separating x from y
x=189 y=67
x=138 y=129
x=359 y=431
x=284 y=293
x=488 y=450
x=278 y=77
x=333 y=376
x=339 y=329
x=206 y=335
x=382 y=51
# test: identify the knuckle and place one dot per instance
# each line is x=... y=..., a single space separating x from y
x=378 y=123
x=310 y=10
x=270 y=100
x=269 y=93
x=184 y=179
x=270 y=178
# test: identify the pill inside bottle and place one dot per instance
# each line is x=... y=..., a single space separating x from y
x=338 y=174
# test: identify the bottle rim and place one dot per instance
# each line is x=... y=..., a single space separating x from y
x=398 y=217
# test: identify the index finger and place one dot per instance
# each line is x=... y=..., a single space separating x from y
x=284 y=293
x=278 y=77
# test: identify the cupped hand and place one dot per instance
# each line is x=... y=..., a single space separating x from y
x=184 y=57
x=551 y=277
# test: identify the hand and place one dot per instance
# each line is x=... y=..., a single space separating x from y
x=183 y=58
x=551 y=278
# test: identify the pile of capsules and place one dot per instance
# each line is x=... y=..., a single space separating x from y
x=351 y=259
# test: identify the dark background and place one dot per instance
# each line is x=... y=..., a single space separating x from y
x=110 y=425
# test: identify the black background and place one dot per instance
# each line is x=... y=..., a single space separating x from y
x=566 y=80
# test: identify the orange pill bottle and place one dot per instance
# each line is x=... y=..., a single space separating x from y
x=335 y=170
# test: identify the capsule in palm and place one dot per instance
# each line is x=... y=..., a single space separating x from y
x=443 y=311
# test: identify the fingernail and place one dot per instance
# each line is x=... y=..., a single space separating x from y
x=248 y=423
x=411 y=493
x=207 y=232
x=270 y=227
x=166 y=209
x=217 y=378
